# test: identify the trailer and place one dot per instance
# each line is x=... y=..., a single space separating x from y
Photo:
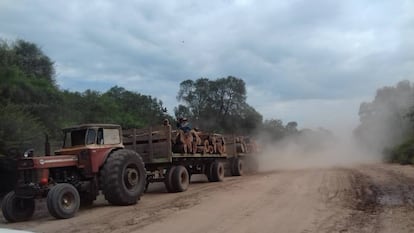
x=166 y=159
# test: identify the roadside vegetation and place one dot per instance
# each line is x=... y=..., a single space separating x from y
x=387 y=123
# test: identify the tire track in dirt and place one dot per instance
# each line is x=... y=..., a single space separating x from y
x=397 y=190
x=380 y=199
x=351 y=202
x=364 y=201
x=396 y=196
x=237 y=186
x=286 y=201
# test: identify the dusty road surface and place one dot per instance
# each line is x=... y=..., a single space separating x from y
x=366 y=198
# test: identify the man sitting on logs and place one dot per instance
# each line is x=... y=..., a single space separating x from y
x=188 y=137
x=185 y=135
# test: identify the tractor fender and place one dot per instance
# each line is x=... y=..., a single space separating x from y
x=99 y=159
x=106 y=155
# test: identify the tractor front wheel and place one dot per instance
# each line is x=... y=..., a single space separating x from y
x=63 y=201
x=17 y=209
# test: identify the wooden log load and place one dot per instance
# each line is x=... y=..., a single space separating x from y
x=198 y=142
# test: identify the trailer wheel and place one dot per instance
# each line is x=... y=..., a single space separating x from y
x=217 y=171
x=168 y=180
x=124 y=177
x=208 y=171
x=180 y=179
x=63 y=201
x=17 y=209
x=237 y=167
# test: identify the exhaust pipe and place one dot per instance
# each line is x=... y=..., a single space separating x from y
x=47 y=145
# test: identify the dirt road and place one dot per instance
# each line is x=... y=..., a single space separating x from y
x=369 y=198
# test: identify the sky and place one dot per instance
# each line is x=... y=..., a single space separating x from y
x=310 y=61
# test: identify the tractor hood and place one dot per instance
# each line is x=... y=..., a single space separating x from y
x=47 y=162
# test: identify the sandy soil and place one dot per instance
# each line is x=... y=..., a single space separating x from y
x=368 y=198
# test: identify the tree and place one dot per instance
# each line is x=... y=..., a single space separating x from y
x=19 y=131
x=217 y=105
x=134 y=109
x=228 y=95
x=291 y=127
x=196 y=95
x=117 y=106
x=182 y=111
x=32 y=61
x=26 y=75
x=273 y=129
x=385 y=121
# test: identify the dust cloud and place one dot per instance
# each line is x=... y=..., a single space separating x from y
x=384 y=123
x=313 y=149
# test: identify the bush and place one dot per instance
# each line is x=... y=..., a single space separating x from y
x=19 y=131
x=403 y=153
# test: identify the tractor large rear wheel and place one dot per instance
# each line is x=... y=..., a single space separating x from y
x=124 y=177
x=17 y=209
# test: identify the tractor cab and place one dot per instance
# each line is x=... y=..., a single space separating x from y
x=91 y=135
x=91 y=143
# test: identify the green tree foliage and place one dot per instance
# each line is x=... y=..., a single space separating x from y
x=385 y=121
x=274 y=129
x=117 y=106
x=31 y=104
x=29 y=93
x=32 y=61
x=402 y=153
x=291 y=127
x=19 y=130
x=142 y=109
x=217 y=105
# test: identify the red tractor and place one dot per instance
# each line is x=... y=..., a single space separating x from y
x=92 y=158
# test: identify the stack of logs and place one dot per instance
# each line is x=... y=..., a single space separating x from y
x=212 y=144
x=246 y=145
x=202 y=143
